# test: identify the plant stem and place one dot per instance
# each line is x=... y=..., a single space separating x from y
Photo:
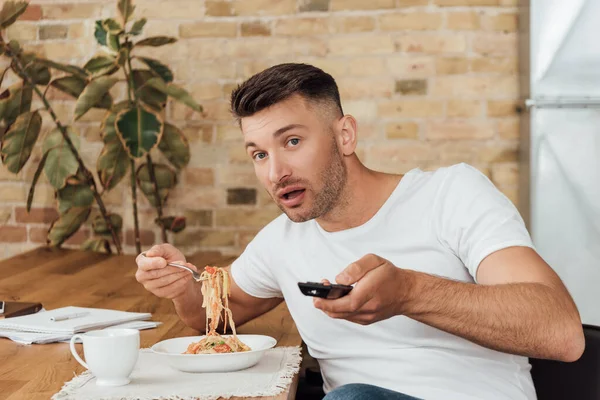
x=159 y=209
x=136 y=223
x=129 y=77
x=156 y=196
x=63 y=131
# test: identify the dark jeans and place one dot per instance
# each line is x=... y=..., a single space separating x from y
x=361 y=391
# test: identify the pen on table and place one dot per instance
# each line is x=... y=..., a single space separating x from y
x=68 y=316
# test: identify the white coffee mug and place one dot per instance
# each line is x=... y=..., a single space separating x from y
x=110 y=354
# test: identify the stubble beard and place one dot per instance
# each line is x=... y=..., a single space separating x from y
x=333 y=179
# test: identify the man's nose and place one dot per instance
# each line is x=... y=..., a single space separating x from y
x=278 y=170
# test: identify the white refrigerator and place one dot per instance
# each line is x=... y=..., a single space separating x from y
x=564 y=144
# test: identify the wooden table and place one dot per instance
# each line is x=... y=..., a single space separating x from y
x=58 y=278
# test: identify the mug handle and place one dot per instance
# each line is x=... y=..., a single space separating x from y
x=74 y=352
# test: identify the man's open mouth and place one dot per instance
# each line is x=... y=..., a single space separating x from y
x=293 y=194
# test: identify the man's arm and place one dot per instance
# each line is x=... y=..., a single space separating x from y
x=173 y=283
x=520 y=306
x=243 y=306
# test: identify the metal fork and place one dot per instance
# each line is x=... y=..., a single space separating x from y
x=195 y=274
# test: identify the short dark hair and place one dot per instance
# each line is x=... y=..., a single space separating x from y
x=279 y=82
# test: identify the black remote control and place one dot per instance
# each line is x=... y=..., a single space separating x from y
x=316 y=289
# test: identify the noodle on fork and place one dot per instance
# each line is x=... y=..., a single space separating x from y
x=215 y=290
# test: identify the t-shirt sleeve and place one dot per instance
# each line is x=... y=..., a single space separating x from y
x=252 y=270
x=476 y=219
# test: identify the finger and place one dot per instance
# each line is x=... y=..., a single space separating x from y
x=325 y=282
x=166 y=251
x=358 y=318
x=151 y=259
x=167 y=280
x=156 y=251
x=355 y=271
x=151 y=263
x=192 y=266
x=339 y=315
x=173 y=290
x=144 y=276
x=347 y=304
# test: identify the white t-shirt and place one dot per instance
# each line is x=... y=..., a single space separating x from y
x=441 y=222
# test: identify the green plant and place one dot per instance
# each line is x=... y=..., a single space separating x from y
x=132 y=129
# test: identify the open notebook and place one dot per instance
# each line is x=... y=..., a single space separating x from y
x=96 y=318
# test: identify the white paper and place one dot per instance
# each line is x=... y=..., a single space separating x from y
x=43 y=338
x=96 y=319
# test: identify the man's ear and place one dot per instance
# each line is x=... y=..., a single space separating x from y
x=347 y=134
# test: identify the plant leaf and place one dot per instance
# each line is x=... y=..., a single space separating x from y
x=93 y=93
x=99 y=245
x=77 y=195
x=73 y=85
x=14 y=47
x=36 y=176
x=113 y=164
x=152 y=98
x=107 y=33
x=112 y=26
x=140 y=130
x=100 y=226
x=155 y=99
x=18 y=101
x=67 y=224
x=61 y=162
x=173 y=224
x=78 y=179
x=138 y=26
x=165 y=179
x=71 y=69
x=108 y=130
x=4 y=99
x=158 y=68
x=3 y=72
x=175 y=146
x=113 y=42
x=18 y=142
x=156 y=41
x=11 y=10
x=174 y=91
x=126 y=9
x=102 y=65
x=140 y=77
x=38 y=73
x=100 y=33
x=183 y=96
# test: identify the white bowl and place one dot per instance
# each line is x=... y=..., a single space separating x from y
x=172 y=349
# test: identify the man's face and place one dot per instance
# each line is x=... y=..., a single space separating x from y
x=296 y=158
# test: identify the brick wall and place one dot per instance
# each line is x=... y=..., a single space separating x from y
x=432 y=82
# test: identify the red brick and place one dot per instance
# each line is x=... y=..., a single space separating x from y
x=78 y=237
x=32 y=13
x=36 y=215
x=13 y=234
x=38 y=235
x=147 y=237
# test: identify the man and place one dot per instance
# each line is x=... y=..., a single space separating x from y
x=449 y=297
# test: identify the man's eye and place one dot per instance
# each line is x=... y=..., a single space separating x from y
x=259 y=156
x=294 y=141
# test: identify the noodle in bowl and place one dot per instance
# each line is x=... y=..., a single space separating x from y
x=172 y=350
x=214 y=352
